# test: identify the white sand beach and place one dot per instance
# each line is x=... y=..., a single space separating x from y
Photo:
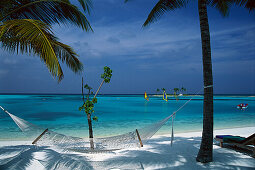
x=156 y=154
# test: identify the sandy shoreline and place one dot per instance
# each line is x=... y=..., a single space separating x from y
x=156 y=154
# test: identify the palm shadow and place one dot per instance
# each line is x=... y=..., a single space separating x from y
x=156 y=154
x=21 y=156
x=16 y=157
x=59 y=160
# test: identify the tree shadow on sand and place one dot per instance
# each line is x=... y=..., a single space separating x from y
x=16 y=157
x=156 y=154
x=20 y=157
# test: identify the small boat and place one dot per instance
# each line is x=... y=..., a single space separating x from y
x=164 y=96
x=146 y=97
x=242 y=106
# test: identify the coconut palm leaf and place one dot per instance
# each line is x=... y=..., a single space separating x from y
x=35 y=37
x=48 y=11
x=249 y=4
x=86 y=5
x=161 y=7
x=66 y=54
x=222 y=5
x=170 y=5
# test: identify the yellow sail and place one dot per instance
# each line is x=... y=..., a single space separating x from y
x=164 y=96
x=145 y=96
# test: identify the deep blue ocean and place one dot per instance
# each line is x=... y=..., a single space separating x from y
x=119 y=113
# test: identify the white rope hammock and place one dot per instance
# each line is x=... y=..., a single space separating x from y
x=131 y=139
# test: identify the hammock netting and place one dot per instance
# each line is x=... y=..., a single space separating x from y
x=51 y=138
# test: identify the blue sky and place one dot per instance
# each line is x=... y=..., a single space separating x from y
x=167 y=54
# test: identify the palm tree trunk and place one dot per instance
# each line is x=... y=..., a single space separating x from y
x=205 y=153
x=90 y=131
x=99 y=89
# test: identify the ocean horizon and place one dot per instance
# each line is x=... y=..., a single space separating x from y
x=109 y=94
x=119 y=114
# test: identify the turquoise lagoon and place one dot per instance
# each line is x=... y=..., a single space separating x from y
x=119 y=113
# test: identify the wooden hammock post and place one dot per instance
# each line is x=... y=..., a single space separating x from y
x=39 y=137
x=141 y=143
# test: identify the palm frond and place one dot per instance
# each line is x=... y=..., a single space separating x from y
x=222 y=5
x=32 y=37
x=249 y=4
x=5 y=5
x=66 y=54
x=86 y=5
x=161 y=7
x=48 y=11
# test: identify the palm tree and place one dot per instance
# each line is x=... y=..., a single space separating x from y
x=248 y=4
x=206 y=147
x=25 y=27
x=157 y=91
x=176 y=90
x=183 y=89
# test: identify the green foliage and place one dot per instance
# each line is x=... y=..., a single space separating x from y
x=107 y=74
x=47 y=11
x=249 y=4
x=176 y=90
x=35 y=37
x=161 y=7
x=86 y=5
x=163 y=89
x=88 y=105
x=95 y=118
x=25 y=27
x=222 y=6
x=183 y=89
x=94 y=100
x=86 y=86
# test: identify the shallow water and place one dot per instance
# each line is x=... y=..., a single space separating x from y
x=119 y=113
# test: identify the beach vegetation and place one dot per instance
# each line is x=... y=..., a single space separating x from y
x=176 y=90
x=183 y=89
x=26 y=27
x=205 y=153
x=88 y=104
x=157 y=91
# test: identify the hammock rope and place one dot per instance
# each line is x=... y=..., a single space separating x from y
x=135 y=138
